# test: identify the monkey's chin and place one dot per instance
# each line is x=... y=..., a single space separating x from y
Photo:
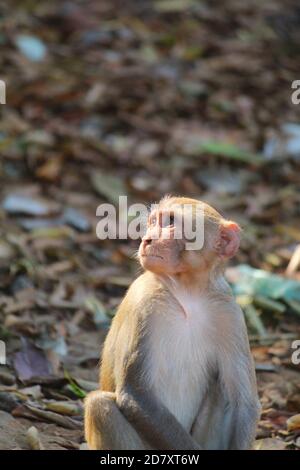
x=153 y=263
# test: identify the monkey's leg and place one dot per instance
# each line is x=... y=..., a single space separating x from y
x=210 y=420
x=106 y=428
x=245 y=422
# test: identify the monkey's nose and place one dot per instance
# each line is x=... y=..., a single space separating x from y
x=147 y=241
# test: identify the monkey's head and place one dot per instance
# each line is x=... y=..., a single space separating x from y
x=186 y=235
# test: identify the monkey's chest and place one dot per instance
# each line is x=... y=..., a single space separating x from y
x=183 y=362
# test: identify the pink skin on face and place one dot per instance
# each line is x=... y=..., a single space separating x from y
x=159 y=251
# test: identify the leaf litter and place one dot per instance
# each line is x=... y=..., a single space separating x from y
x=106 y=100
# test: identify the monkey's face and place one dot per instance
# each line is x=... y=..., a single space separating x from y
x=162 y=251
x=159 y=251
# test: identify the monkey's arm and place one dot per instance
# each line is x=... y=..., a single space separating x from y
x=239 y=381
x=153 y=421
x=245 y=421
x=128 y=348
x=142 y=408
x=246 y=404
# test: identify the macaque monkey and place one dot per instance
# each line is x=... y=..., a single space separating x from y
x=176 y=371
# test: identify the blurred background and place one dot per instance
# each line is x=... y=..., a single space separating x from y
x=141 y=98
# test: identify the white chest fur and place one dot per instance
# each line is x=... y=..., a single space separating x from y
x=183 y=346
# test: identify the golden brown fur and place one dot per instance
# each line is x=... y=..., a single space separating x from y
x=176 y=371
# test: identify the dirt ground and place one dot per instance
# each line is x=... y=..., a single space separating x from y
x=108 y=98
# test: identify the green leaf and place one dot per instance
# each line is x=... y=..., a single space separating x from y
x=172 y=6
x=108 y=185
x=269 y=304
x=230 y=151
x=295 y=306
x=254 y=320
x=74 y=387
x=98 y=310
x=256 y=282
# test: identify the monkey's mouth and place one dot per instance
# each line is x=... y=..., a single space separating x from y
x=151 y=256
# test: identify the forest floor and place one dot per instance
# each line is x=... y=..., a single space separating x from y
x=139 y=99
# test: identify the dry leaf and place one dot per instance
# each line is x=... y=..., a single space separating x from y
x=293 y=422
x=33 y=439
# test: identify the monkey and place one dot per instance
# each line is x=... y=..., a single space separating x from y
x=176 y=370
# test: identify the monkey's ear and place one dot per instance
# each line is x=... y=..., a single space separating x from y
x=228 y=240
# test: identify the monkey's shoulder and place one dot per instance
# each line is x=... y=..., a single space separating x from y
x=144 y=294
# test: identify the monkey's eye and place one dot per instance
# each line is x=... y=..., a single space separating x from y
x=168 y=220
x=172 y=219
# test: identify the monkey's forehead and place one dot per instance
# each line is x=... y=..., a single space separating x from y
x=171 y=203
